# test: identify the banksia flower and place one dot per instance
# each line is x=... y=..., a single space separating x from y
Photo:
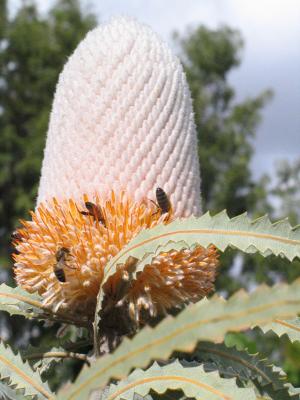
x=121 y=126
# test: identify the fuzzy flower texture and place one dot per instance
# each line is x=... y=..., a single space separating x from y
x=121 y=126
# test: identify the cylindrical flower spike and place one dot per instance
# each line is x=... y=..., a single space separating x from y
x=121 y=127
x=122 y=119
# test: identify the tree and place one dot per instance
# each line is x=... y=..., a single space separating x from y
x=33 y=50
x=286 y=190
x=225 y=129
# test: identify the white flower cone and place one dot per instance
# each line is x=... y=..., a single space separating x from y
x=122 y=119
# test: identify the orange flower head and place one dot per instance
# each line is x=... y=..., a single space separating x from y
x=64 y=250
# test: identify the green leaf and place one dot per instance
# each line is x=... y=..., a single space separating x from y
x=17 y=301
x=168 y=395
x=289 y=389
x=293 y=391
x=231 y=362
x=285 y=327
x=193 y=381
x=281 y=394
x=138 y=397
x=239 y=232
x=247 y=368
x=205 y=320
x=19 y=375
x=7 y=393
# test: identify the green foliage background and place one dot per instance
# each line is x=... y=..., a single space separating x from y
x=33 y=50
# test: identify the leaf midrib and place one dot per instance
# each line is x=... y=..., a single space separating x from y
x=174 y=378
x=287 y=324
x=24 y=299
x=238 y=360
x=185 y=328
x=26 y=377
x=207 y=232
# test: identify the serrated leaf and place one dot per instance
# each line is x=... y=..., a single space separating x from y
x=138 y=397
x=282 y=327
x=205 y=320
x=246 y=367
x=239 y=232
x=281 y=394
x=19 y=375
x=193 y=381
x=219 y=230
x=17 y=301
x=292 y=391
x=7 y=393
x=238 y=363
x=101 y=394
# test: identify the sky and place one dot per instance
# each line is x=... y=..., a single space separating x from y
x=271 y=57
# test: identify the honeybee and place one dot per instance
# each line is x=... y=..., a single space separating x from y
x=58 y=267
x=95 y=211
x=163 y=203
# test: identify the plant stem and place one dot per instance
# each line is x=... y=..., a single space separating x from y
x=59 y=354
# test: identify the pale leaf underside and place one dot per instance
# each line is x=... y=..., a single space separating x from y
x=205 y=320
x=281 y=327
x=17 y=301
x=193 y=381
x=19 y=376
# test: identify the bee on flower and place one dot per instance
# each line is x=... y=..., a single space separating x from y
x=121 y=132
